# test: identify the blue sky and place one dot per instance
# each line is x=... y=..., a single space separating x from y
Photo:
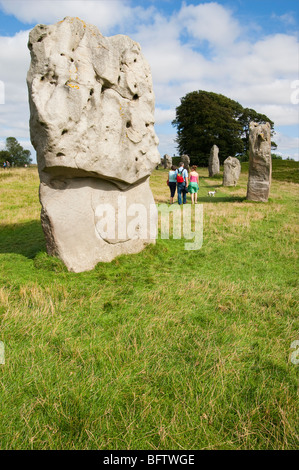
x=246 y=50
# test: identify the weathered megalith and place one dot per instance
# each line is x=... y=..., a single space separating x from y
x=167 y=161
x=92 y=125
x=186 y=160
x=231 y=171
x=214 y=165
x=260 y=162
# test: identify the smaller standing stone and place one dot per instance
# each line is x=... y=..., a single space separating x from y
x=214 y=165
x=231 y=171
x=186 y=160
x=260 y=162
x=167 y=161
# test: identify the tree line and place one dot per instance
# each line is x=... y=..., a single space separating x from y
x=14 y=153
x=205 y=118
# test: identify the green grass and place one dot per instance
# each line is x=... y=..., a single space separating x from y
x=166 y=349
x=282 y=170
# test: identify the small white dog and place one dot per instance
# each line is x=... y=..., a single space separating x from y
x=211 y=193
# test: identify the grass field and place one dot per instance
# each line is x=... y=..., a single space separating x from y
x=166 y=349
x=282 y=170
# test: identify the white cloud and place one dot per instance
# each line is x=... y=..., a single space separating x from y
x=14 y=63
x=286 y=18
x=167 y=144
x=288 y=146
x=105 y=14
x=210 y=22
x=164 y=115
x=281 y=115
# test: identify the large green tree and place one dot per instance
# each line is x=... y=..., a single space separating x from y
x=18 y=156
x=206 y=118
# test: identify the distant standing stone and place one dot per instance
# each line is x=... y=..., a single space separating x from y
x=186 y=160
x=167 y=161
x=214 y=166
x=260 y=163
x=231 y=172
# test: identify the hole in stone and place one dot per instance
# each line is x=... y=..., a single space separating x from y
x=61 y=53
x=40 y=39
x=91 y=92
x=135 y=97
x=42 y=78
x=64 y=131
x=135 y=60
x=129 y=124
x=118 y=80
x=136 y=159
x=146 y=124
x=73 y=49
x=60 y=154
x=72 y=60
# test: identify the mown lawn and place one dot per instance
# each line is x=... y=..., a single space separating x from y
x=166 y=349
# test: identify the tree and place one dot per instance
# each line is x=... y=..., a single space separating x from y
x=18 y=156
x=249 y=115
x=205 y=118
x=4 y=157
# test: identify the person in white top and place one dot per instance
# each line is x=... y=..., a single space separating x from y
x=172 y=182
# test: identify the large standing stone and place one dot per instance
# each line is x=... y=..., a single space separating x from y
x=214 y=165
x=167 y=161
x=260 y=162
x=231 y=171
x=92 y=125
x=186 y=160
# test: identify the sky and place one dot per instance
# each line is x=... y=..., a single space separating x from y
x=247 y=50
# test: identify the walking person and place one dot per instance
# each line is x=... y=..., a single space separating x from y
x=182 y=183
x=194 y=184
x=172 y=182
x=4 y=165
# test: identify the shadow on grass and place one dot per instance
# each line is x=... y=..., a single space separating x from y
x=221 y=199
x=218 y=177
x=26 y=239
x=210 y=187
